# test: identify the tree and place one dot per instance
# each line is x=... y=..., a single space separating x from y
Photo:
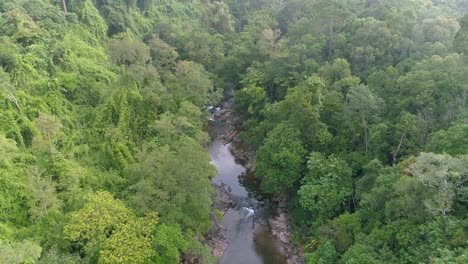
x=407 y=125
x=128 y=51
x=250 y=101
x=438 y=29
x=367 y=181
x=460 y=41
x=443 y=175
x=14 y=200
x=111 y=233
x=331 y=19
x=169 y=242
x=25 y=251
x=163 y=56
x=54 y=255
x=301 y=109
x=89 y=15
x=452 y=141
x=385 y=85
x=218 y=17
x=191 y=82
x=174 y=181
x=361 y=254
x=325 y=253
x=280 y=160
x=42 y=191
x=363 y=108
x=326 y=186
x=338 y=75
x=372 y=46
x=435 y=88
x=91 y=226
x=8 y=55
x=203 y=48
x=50 y=129
x=131 y=243
x=255 y=43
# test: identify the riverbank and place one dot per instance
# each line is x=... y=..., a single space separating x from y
x=278 y=221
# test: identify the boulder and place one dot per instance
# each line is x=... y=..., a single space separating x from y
x=284 y=237
x=218 y=247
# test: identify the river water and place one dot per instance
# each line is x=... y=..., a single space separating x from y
x=249 y=238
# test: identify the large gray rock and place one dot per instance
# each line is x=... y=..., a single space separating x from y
x=284 y=237
x=218 y=247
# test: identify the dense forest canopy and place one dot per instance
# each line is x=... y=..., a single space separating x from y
x=357 y=109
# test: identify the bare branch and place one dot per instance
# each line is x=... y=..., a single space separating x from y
x=12 y=97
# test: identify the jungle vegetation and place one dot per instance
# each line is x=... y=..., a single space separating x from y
x=357 y=109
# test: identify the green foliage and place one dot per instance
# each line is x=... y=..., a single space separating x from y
x=362 y=110
x=175 y=182
x=250 y=100
x=169 y=242
x=390 y=88
x=443 y=174
x=19 y=252
x=89 y=16
x=452 y=141
x=127 y=52
x=191 y=82
x=280 y=160
x=81 y=94
x=338 y=75
x=461 y=38
x=55 y=256
x=361 y=254
x=325 y=253
x=9 y=54
x=14 y=199
x=433 y=88
x=299 y=109
x=326 y=186
x=111 y=233
x=109 y=96
x=373 y=44
x=163 y=56
x=438 y=29
x=131 y=243
x=92 y=224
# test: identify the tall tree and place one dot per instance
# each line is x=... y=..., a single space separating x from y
x=460 y=42
x=363 y=108
x=444 y=176
x=280 y=160
x=326 y=186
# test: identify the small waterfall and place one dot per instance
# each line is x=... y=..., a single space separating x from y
x=248 y=211
x=213 y=109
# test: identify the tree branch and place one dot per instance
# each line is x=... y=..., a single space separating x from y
x=12 y=97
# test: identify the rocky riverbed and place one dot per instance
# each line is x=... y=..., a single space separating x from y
x=278 y=222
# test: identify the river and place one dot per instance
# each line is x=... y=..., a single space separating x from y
x=249 y=238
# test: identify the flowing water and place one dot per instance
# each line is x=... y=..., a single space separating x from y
x=250 y=241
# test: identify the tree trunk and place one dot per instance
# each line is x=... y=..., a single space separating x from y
x=366 y=139
x=330 y=43
x=64 y=4
x=395 y=153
